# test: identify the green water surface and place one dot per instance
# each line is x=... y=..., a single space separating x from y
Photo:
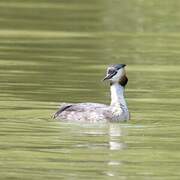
x=58 y=51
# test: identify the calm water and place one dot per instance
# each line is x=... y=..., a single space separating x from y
x=57 y=51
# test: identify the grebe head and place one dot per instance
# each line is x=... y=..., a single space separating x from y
x=116 y=74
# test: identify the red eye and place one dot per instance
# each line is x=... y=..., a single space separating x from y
x=111 y=71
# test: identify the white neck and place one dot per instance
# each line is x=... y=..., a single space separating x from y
x=117 y=97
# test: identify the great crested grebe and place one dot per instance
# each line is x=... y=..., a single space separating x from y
x=94 y=112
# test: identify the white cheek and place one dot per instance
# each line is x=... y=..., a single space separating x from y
x=115 y=78
x=119 y=74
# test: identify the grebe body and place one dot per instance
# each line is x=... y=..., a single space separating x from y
x=94 y=112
